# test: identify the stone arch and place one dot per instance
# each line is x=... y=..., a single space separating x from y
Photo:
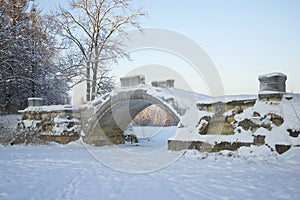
x=107 y=125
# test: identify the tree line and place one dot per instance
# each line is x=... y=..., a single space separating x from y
x=153 y=116
x=45 y=55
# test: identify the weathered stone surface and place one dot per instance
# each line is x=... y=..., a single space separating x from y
x=204 y=121
x=293 y=133
x=229 y=146
x=54 y=126
x=226 y=126
x=61 y=139
x=230 y=119
x=276 y=119
x=204 y=128
x=272 y=86
x=282 y=148
x=266 y=126
x=218 y=107
x=132 y=81
x=247 y=124
x=218 y=124
x=259 y=140
x=176 y=145
x=132 y=138
x=220 y=127
x=163 y=84
x=256 y=114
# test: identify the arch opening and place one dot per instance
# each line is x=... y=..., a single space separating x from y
x=153 y=126
x=153 y=115
x=114 y=117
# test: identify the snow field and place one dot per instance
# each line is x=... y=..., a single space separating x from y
x=73 y=172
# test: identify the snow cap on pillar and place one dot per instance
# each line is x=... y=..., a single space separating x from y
x=35 y=101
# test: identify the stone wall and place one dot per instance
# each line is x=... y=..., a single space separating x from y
x=222 y=121
x=219 y=121
x=59 y=124
x=177 y=145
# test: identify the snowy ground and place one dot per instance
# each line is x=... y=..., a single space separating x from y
x=73 y=172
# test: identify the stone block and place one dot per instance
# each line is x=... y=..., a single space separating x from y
x=293 y=133
x=132 y=81
x=280 y=148
x=163 y=84
x=259 y=140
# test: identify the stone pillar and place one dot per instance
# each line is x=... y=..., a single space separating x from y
x=34 y=101
x=163 y=84
x=170 y=83
x=272 y=85
x=132 y=81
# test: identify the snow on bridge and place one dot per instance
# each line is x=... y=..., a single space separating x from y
x=105 y=120
x=204 y=123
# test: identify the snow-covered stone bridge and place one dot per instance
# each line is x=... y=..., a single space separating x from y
x=204 y=123
x=105 y=120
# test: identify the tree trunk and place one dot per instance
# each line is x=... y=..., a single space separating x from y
x=94 y=82
x=95 y=74
x=33 y=82
x=88 y=79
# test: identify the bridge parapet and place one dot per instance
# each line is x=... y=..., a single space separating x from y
x=57 y=123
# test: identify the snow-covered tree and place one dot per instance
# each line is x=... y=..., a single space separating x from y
x=91 y=25
x=27 y=58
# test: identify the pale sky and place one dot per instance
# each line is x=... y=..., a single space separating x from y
x=244 y=38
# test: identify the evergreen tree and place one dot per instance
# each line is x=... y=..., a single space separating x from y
x=27 y=65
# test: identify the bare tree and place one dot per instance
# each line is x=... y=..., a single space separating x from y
x=106 y=82
x=91 y=25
